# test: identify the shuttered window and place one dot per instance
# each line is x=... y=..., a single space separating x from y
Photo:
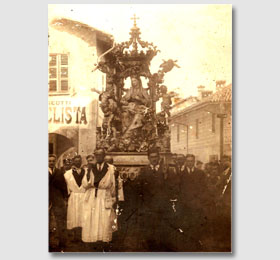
x=58 y=73
x=52 y=85
x=64 y=85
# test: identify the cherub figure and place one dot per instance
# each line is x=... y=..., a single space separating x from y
x=166 y=100
x=167 y=66
x=109 y=107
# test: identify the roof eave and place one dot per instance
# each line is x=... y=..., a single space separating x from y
x=74 y=27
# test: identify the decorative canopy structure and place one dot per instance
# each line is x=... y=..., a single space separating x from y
x=130 y=122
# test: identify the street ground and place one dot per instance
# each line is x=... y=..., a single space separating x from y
x=214 y=239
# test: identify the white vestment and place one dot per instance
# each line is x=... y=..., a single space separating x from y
x=75 y=201
x=99 y=216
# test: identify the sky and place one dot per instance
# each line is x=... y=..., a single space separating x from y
x=199 y=37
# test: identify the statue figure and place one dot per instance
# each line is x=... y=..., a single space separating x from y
x=134 y=105
x=166 y=140
x=168 y=65
x=166 y=100
x=137 y=93
x=109 y=107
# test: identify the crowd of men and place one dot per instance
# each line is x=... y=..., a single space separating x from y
x=181 y=207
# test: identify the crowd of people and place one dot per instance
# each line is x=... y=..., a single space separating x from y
x=180 y=207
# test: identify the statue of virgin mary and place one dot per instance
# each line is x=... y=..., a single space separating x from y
x=137 y=93
x=135 y=102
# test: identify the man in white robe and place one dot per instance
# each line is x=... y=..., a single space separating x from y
x=74 y=178
x=100 y=197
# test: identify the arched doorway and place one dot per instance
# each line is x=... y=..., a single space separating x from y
x=58 y=144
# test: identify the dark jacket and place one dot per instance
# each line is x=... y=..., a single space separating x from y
x=57 y=188
x=192 y=188
x=154 y=189
x=224 y=188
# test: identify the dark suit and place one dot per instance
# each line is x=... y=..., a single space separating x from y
x=192 y=197
x=127 y=236
x=223 y=221
x=154 y=194
x=224 y=187
x=57 y=195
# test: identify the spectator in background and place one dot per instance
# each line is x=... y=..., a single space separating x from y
x=57 y=196
x=180 y=163
x=67 y=164
x=223 y=227
x=207 y=169
x=90 y=160
x=213 y=179
x=199 y=165
x=174 y=157
x=191 y=204
x=224 y=185
x=226 y=163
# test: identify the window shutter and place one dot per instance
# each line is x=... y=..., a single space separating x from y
x=52 y=85
x=64 y=59
x=64 y=85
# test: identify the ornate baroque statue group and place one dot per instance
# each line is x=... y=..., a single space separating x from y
x=131 y=123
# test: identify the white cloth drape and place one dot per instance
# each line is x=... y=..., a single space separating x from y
x=99 y=217
x=75 y=201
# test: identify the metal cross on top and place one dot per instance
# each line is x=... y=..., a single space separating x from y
x=134 y=18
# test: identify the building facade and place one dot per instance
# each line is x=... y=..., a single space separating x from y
x=74 y=114
x=202 y=125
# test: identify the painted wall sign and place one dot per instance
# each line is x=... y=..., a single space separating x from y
x=68 y=111
x=67 y=115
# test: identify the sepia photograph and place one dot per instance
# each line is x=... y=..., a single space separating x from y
x=140 y=128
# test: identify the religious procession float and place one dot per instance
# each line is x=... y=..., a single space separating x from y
x=131 y=124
